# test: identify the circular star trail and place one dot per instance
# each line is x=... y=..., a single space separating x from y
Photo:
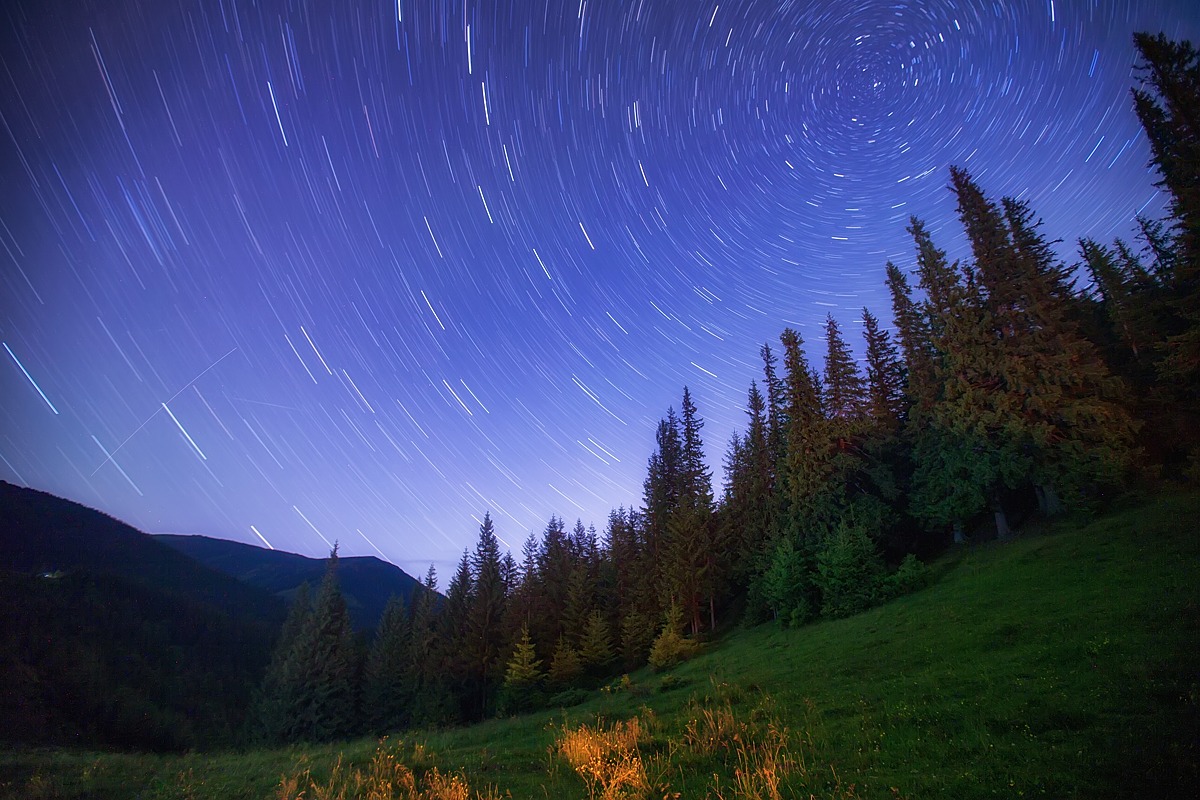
x=360 y=272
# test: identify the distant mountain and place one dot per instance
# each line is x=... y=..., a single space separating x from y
x=110 y=638
x=366 y=582
x=43 y=533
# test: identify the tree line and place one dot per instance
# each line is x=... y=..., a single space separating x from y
x=1008 y=382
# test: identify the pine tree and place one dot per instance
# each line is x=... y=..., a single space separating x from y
x=387 y=680
x=1166 y=104
x=961 y=461
x=432 y=702
x=776 y=413
x=850 y=572
x=566 y=668
x=325 y=663
x=886 y=376
x=912 y=330
x=275 y=704
x=595 y=646
x=485 y=614
x=524 y=667
x=845 y=393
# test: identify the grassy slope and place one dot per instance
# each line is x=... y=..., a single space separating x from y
x=1058 y=665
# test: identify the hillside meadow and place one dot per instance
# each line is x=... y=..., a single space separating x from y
x=1064 y=663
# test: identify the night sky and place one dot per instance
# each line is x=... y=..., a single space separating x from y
x=361 y=271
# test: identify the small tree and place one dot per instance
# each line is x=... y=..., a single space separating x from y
x=595 y=647
x=387 y=679
x=850 y=572
x=788 y=585
x=670 y=648
x=565 y=667
x=522 y=678
x=637 y=636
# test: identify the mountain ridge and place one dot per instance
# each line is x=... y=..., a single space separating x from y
x=367 y=582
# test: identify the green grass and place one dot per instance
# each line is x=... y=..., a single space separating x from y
x=1065 y=663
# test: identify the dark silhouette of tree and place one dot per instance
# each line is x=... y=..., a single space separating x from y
x=387 y=677
x=485 y=611
x=886 y=376
x=845 y=392
x=315 y=694
x=1167 y=103
x=961 y=463
x=275 y=705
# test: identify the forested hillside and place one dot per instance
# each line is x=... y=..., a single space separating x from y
x=1011 y=384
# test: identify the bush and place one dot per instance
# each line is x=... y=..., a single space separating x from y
x=670 y=682
x=568 y=698
x=519 y=700
x=910 y=576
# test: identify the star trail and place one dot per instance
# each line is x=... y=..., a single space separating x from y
x=301 y=272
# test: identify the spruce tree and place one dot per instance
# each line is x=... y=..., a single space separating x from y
x=453 y=639
x=1072 y=409
x=275 y=704
x=776 y=412
x=595 y=646
x=962 y=462
x=850 y=572
x=886 y=376
x=484 y=618
x=566 y=668
x=432 y=703
x=914 y=335
x=807 y=461
x=1166 y=105
x=325 y=661
x=387 y=679
x=551 y=587
x=524 y=668
x=845 y=393
x=523 y=677
x=693 y=565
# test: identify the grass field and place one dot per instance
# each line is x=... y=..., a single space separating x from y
x=1065 y=663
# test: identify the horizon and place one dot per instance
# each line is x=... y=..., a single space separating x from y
x=363 y=276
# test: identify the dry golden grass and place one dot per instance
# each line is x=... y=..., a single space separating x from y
x=385 y=778
x=608 y=760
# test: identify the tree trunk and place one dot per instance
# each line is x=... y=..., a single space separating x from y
x=1048 y=500
x=1002 y=529
x=959 y=538
x=712 y=614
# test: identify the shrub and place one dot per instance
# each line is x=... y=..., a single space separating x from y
x=513 y=700
x=910 y=576
x=568 y=698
